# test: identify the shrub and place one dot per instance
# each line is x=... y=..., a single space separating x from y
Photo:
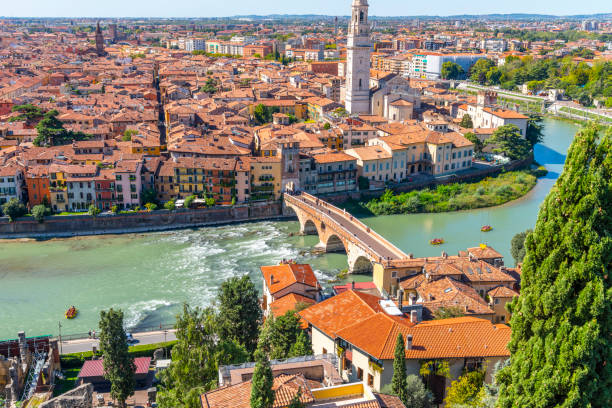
x=114 y=209
x=39 y=212
x=14 y=209
x=151 y=207
x=93 y=211
x=170 y=205
x=189 y=201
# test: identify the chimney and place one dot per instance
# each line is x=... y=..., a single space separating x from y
x=400 y=299
x=414 y=316
x=412 y=299
x=409 y=342
x=444 y=254
x=353 y=285
x=271 y=280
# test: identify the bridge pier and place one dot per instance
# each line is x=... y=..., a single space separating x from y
x=358 y=260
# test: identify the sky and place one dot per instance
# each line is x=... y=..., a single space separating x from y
x=221 y=8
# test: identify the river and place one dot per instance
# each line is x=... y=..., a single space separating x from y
x=150 y=275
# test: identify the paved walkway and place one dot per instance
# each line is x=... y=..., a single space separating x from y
x=373 y=241
x=81 y=345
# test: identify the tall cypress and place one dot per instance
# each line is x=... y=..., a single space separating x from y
x=262 y=394
x=561 y=342
x=398 y=382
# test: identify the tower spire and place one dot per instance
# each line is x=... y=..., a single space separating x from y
x=357 y=99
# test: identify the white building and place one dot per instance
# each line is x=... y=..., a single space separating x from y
x=486 y=114
x=11 y=183
x=429 y=65
x=195 y=44
x=357 y=98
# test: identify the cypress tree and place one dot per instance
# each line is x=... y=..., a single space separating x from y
x=262 y=395
x=398 y=382
x=561 y=342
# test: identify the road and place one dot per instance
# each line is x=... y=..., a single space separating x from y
x=371 y=240
x=78 y=346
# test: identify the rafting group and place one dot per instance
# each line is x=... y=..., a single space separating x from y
x=71 y=313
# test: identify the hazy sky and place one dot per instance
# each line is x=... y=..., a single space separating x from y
x=213 y=8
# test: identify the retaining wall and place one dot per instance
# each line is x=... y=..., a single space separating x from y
x=68 y=226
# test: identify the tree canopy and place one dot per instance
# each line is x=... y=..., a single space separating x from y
x=561 y=346
x=517 y=246
x=51 y=132
x=398 y=381
x=239 y=314
x=262 y=395
x=508 y=141
x=451 y=70
x=466 y=122
x=14 y=209
x=119 y=366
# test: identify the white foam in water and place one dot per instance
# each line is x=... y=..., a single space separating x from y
x=138 y=311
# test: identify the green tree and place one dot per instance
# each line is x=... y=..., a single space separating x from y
x=561 y=346
x=302 y=346
x=149 y=195
x=478 y=71
x=170 y=205
x=28 y=112
x=118 y=365
x=398 y=382
x=193 y=369
x=466 y=122
x=210 y=86
x=262 y=395
x=189 y=201
x=128 y=134
x=534 y=130
x=115 y=209
x=284 y=336
x=93 y=210
x=451 y=70
x=478 y=144
x=39 y=212
x=263 y=114
x=467 y=390
x=417 y=396
x=50 y=131
x=239 y=312
x=508 y=141
x=13 y=209
x=326 y=126
x=517 y=246
x=151 y=207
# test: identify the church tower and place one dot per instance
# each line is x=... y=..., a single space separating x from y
x=99 y=42
x=357 y=97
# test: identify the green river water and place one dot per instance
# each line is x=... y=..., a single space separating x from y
x=150 y=275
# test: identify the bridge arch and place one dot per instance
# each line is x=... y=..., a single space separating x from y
x=309 y=228
x=334 y=244
x=362 y=264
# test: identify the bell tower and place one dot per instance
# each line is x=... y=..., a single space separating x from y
x=358 y=60
x=99 y=42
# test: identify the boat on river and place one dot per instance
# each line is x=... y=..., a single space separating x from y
x=71 y=313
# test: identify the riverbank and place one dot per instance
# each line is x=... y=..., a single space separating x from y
x=490 y=192
x=163 y=220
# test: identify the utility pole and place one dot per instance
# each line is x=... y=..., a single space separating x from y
x=59 y=325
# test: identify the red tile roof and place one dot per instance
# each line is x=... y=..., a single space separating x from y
x=286 y=275
x=95 y=368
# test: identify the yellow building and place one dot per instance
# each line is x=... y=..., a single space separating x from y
x=266 y=178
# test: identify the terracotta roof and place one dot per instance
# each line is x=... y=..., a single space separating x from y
x=460 y=337
x=447 y=292
x=357 y=286
x=285 y=275
x=505 y=114
x=333 y=314
x=288 y=303
x=238 y=396
x=502 y=292
x=333 y=157
x=389 y=401
x=484 y=252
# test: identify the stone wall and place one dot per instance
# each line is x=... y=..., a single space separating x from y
x=162 y=220
x=80 y=397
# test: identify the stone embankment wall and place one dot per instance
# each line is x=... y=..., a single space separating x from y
x=69 y=226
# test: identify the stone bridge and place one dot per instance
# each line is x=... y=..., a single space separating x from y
x=339 y=231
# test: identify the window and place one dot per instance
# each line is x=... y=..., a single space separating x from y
x=118 y=177
x=359 y=374
x=497 y=301
x=370 y=380
x=324 y=351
